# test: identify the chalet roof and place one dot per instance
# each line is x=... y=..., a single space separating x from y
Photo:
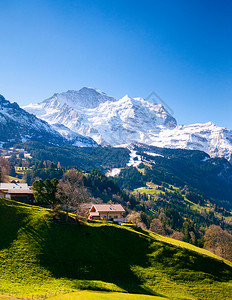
x=94 y=213
x=109 y=207
x=20 y=191
x=14 y=186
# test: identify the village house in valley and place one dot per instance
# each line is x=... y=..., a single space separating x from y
x=17 y=191
x=112 y=212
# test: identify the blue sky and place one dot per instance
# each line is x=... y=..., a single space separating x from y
x=180 y=49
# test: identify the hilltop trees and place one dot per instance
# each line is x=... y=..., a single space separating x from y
x=45 y=191
x=71 y=191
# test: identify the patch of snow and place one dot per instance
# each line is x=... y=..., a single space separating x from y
x=114 y=172
x=206 y=158
x=153 y=154
x=133 y=161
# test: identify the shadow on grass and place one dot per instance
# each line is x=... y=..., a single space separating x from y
x=104 y=253
x=107 y=253
x=11 y=220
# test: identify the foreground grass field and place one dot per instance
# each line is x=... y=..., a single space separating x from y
x=41 y=256
x=90 y=295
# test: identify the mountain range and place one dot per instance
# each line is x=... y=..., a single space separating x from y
x=89 y=117
x=17 y=125
x=109 y=121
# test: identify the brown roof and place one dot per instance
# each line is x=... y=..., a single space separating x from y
x=109 y=207
x=94 y=213
x=20 y=191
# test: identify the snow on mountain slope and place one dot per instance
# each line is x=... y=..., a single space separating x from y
x=17 y=125
x=74 y=138
x=108 y=121
x=135 y=159
x=214 y=140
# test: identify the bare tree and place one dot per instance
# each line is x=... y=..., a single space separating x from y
x=135 y=217
x=177 y=235
x=157 y=227
x=4 y=169
x=218 y=241
x=71 y=191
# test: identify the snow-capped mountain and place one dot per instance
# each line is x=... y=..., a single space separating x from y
x=107 y=120
x=17 y=125
x=207 y=137
x=90 y=112
x=74 y=138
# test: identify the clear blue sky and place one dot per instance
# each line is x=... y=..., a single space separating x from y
x=180 y=49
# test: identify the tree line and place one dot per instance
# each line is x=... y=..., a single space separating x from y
x=69 y=192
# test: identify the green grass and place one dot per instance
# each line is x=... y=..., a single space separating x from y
x=14 y=178
x=41 y=256
x=90 y=295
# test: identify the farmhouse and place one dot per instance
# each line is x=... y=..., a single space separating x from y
x=112 y=212
x=16 y=191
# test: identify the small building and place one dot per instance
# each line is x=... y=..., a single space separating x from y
x=16 y=191
x=110 y=212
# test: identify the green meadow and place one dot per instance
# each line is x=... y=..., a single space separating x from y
x=40 y=255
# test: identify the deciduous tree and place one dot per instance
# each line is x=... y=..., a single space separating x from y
x=71 y=191
x=218 y=241
x=45 y=191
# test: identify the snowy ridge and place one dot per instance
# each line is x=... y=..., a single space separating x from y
x=108 y=121
x=214 y=140
x=74 y=138
x=17 y=125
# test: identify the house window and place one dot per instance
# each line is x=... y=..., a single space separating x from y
x=115 y=217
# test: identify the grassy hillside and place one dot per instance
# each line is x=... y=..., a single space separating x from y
x=90 y=295
x=41 y=256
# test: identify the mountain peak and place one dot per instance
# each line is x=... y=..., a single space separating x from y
x=91 y=90
x=86 y=97
x=126 y=98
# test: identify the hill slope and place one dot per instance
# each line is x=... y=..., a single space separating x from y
x=39 y=255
